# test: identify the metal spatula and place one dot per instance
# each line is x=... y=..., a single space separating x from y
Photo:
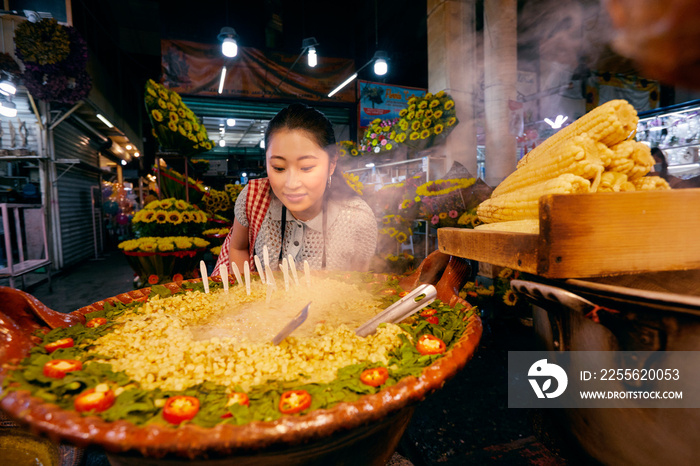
x=404 y=307
x=292 y=325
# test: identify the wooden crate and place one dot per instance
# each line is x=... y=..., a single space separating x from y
x=591 y=235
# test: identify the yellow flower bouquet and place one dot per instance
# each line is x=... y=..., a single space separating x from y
x=426 y=121
x=169 y=217
x=175 y=126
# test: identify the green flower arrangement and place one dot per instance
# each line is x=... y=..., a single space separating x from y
x=175 y=126
x=426 y=120
x=169 y=217
x=442 y=202
x=44 y=42
x=222 y=201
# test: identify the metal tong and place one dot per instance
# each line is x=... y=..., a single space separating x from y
x=404 y=307
x=292 y=325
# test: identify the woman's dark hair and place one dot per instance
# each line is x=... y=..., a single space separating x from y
x=318 y=126
x=658 y=153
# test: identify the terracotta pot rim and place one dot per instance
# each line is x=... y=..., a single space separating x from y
x=193 y=441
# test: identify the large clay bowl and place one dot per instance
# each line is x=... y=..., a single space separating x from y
x=362 y=432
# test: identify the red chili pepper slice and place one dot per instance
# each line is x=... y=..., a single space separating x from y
x=58 y=368
x=428 y=312
x=403 y=293
x=433 y=320
x=388 y=291
x=430 y=344
x=153 y=279
x=294 y=401
x=62 y=343
x=236 y=398
x=180 y=408
x=91 y=400
x=178 y=278
x=374 y=377
x=96 y=322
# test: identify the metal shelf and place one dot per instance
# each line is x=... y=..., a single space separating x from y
x=24 y=266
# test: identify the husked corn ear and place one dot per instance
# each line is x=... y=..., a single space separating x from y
x=632 y=158
x=610 y=123
x=578 y=156
x=524 y=203
x=605 y=153
x=611 y=182
x=627 y=186
x=650 y=183
x=514 y=226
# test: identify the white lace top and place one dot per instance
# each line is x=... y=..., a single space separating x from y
x=351 y=236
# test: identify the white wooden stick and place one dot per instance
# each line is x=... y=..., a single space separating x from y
x=246 y=271
x=307 y=273
x=237 y=272
x=285 y=273
x=293 y=268
x=259 y=268
x=270 y=277
x=268 y=293
x=205 y=277
x=266 y=256
x=224 y=277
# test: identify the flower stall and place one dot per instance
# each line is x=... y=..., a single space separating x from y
x=168 y=243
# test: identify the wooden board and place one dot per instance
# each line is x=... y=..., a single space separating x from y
x=590 y=235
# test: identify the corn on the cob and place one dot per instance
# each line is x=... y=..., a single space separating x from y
x=578 y=156
x=524 y=203
x=611 y=123
x=614 y=182
x=632 y=158
x=605 y=153
x=650 y=183
x=516 y=226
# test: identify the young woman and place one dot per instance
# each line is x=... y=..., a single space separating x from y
x=303 y=207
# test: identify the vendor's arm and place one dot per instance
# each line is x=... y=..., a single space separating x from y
x=238 y=246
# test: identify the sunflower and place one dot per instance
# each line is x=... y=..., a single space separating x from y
x=157 y=115
x=216 y=250
x=403 y=112
x=505 y=273
x=414 y=136
x=165 y=204
x=403 y=124
x=173 y=126
x=148 y=246
x=401 y=237
x=161 y=216
x=449 y=104
x=354 y=152
x=181 y=113
x=191 y=137
x=423 y=104
x=434 y=103
x=510 y=298
x=465 y=219
x=440 y=94
x=427 y=122
x=182 y=242
x=200 y=243
x=182 y=131
x=207 y=145
x=442 y=215
x=129 y=245
x=181 y=205
x=196 y=126
x=420 y=114
x=171 y=107
x=188 y=126
x=164 y=246
x=173 y=117
x=424 y=134
x=437 y=114
x=438 y=129
x=412 y=101
x=162 y=93
x=415 y=126
x=388 y=146
x=174 y=217
x=175 y=99
x=410 y=115
x=451 y=121
x=428 y=114
x=161 y=104
x=401 y=137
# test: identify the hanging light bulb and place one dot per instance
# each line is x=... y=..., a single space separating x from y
x=231 y=122
x=229 y=46
x=380 y=64
x=222 y=142
x=313 y=58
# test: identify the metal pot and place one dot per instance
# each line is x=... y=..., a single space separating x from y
x=627 y=313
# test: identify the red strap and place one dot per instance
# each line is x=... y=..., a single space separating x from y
x=257 y=205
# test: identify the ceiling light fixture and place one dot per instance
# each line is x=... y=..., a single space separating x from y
x=262 y=143
x=105 y=121
x=222 y=143
x=129 y=147
x=123 y=162
x=137 y=154
x=229 y=46
x=380 y=64
x=231 y=122
x=309 y=44
x=221 y=81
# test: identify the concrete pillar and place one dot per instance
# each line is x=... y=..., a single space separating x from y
x=500 y=77
x=452 y=67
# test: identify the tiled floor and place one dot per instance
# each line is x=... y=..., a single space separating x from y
x=467 y=422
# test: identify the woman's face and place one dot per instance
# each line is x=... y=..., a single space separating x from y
x=298 y=170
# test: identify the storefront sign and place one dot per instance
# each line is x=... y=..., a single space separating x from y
x=383 y=101
x=192 y=68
